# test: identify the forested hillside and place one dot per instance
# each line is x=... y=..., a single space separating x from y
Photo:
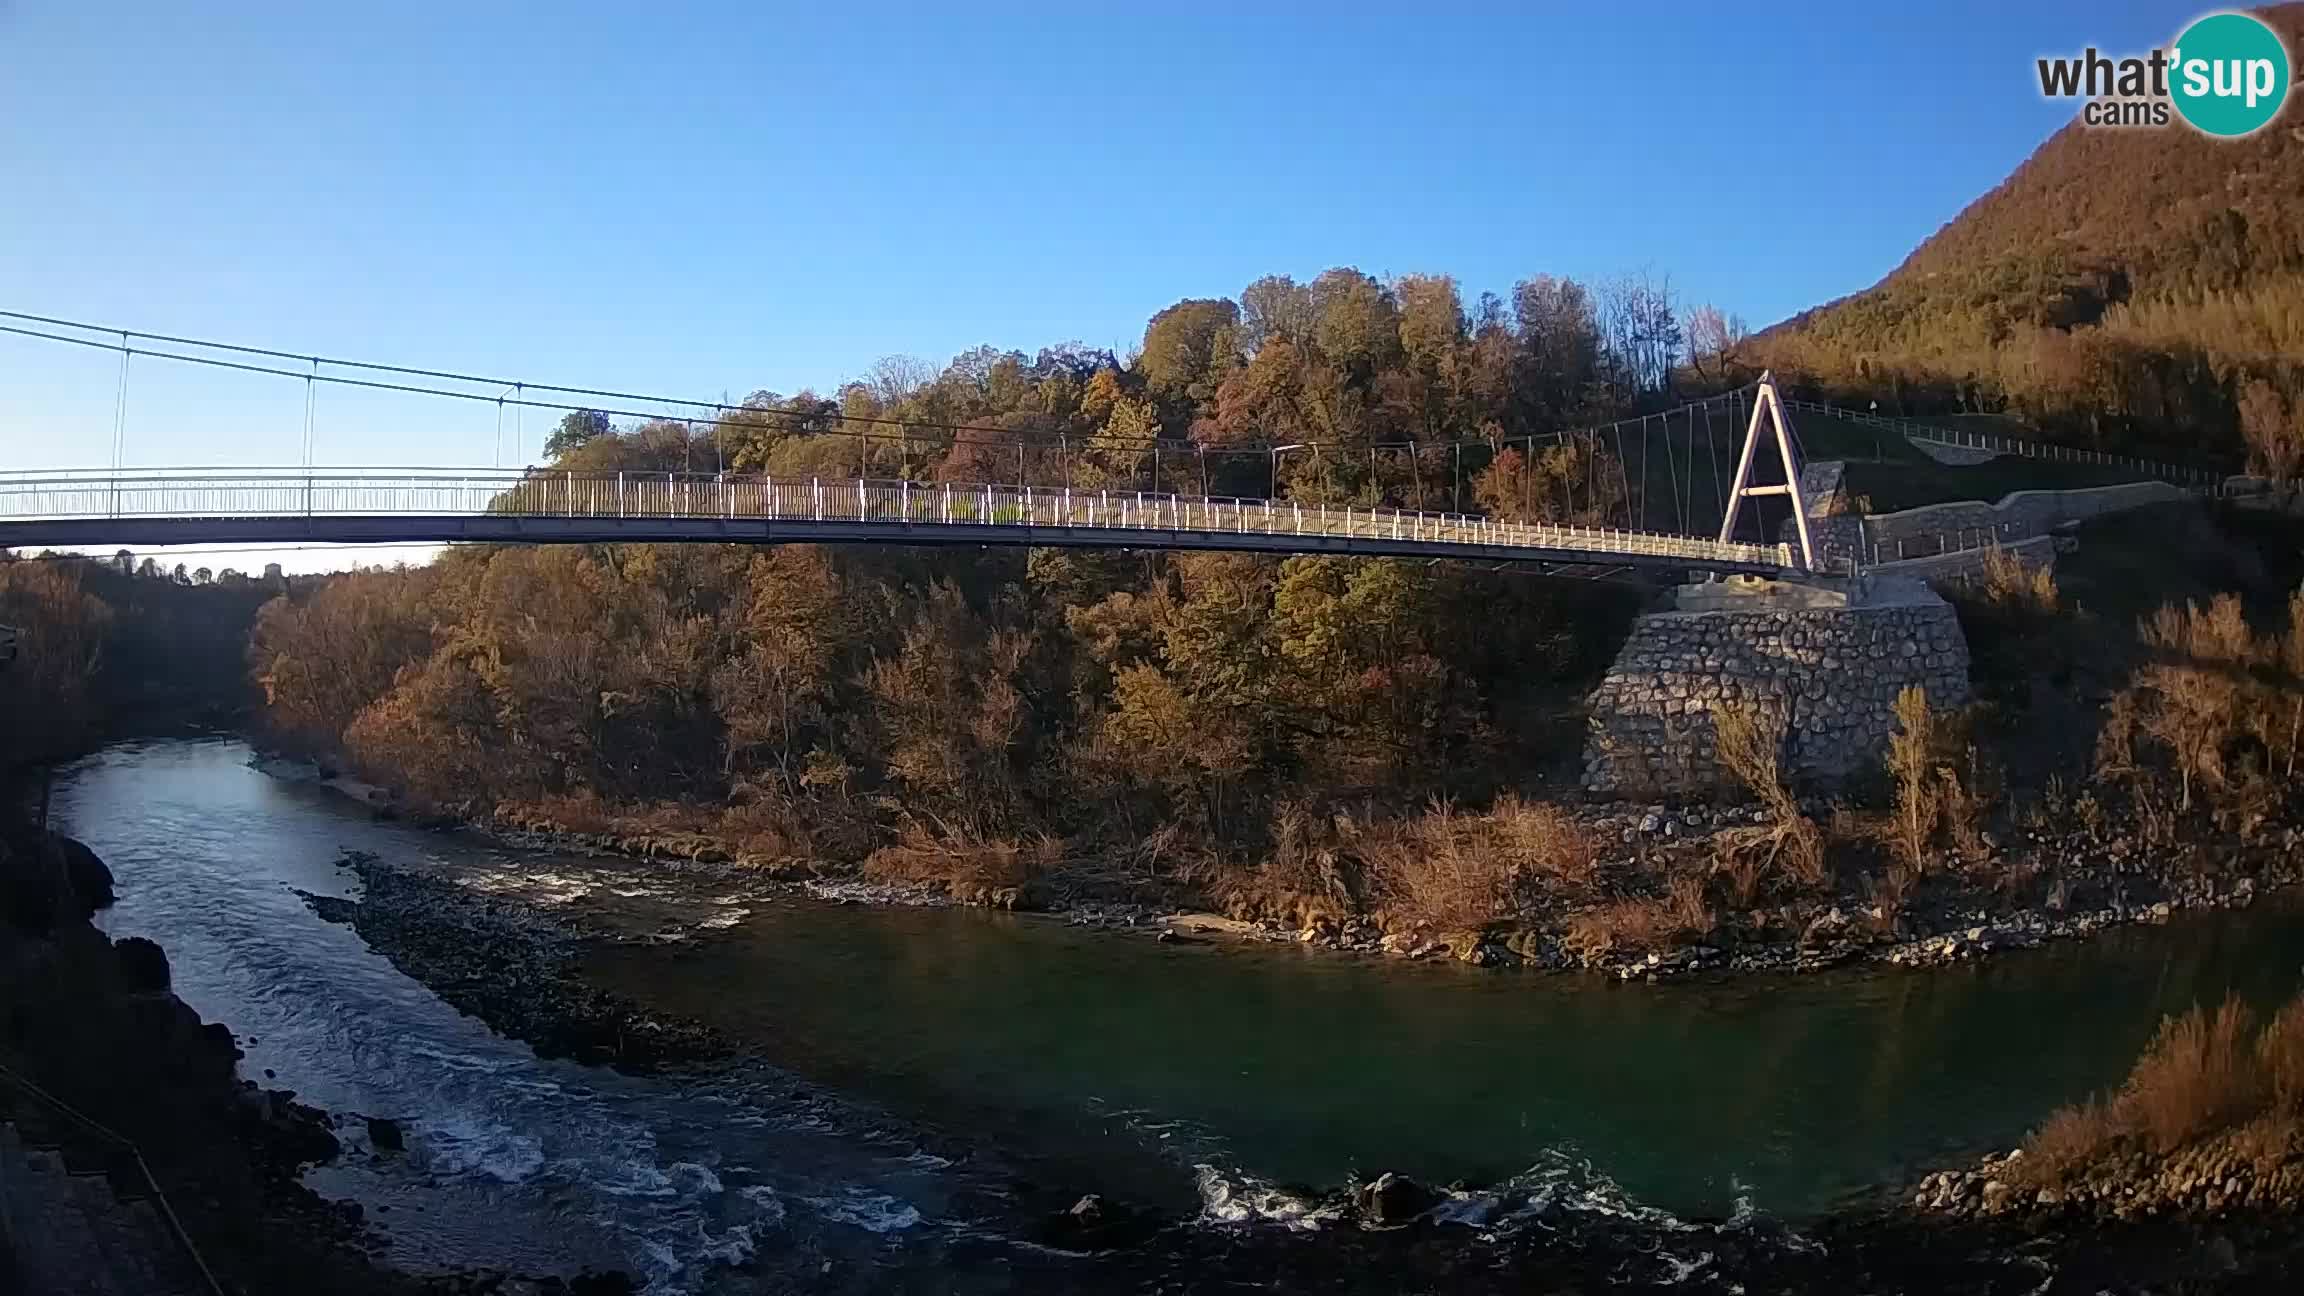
x=1370 y=383
x=117 y=646
x=2135 y=289
x=830 y=703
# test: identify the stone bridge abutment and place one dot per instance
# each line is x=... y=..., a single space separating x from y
x=1824 y=663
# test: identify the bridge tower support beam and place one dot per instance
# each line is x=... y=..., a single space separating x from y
x=1769 y=413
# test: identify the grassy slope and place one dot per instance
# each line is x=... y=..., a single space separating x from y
x=1686 y=487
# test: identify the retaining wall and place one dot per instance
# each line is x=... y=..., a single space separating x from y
x=1829 y=676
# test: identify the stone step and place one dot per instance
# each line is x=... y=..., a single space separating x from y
x=68 y=1233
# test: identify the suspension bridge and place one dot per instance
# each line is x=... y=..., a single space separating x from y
x=170 y=508
x=1666 y=520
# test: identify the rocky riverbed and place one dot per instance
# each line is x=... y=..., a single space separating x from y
x=509 y=965
x=2210 y=1179
x=108 y=1070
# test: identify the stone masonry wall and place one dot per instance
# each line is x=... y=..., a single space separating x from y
x=1830 y=674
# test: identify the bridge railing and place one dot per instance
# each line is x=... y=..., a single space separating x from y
x=739 y=498
x=1936 y=544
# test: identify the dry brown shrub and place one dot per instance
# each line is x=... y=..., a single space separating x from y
x=572 y=812
x=2067 y=1142
x=2088 y=812
x=1542 y=838
x=2280 y=1054
x=1939 y=781
x=1626 y=926
x=1301 y=880
x=1749 y=856
x=1434 y=874
x=1963 y=809
x=963 y=862
x=1749 y=744
x=2050 y=811
x=1690 y=909
x=1892 y=889
x=2116 y=736
x=2197 y=1075
x=2206 y=1074
x=1800 y=847
x=1450 y=872
x=769 y=825
x=2196 y=697
x=1911 y=760
x=2266 y=1143
x=2009 y=582
x=2159 y=822
x=1745 y=870
x=2284 y=741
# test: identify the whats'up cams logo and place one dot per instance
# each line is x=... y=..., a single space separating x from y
x=2226 y=76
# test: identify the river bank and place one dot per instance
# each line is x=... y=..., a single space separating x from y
x=2059 y=878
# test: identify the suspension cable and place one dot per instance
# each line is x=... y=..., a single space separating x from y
x=1713 y=453
x=311 y=395
x=522 y=402
x=120 y=408
x=1672 y=472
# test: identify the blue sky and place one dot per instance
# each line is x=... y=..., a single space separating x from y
x=729 y=196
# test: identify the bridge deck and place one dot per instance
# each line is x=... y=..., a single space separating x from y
x=183 y=507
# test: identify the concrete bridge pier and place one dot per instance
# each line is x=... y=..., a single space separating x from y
x=1826 y=659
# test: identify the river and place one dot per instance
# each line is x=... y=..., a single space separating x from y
x=1187 y=1075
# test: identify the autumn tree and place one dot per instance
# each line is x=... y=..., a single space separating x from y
x=1573 y=481
x=2194 y=689
x=324 y=656
x=1187 y=349
x=1274 y=309
x=576 y=428
x=45 y=690
x=1557 y=359
x=773 y=684
x=2274 y=432
x=1714 y=338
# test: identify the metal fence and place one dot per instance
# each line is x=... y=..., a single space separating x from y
x=1937 y=543
x=2200 y=479
x=173 y=494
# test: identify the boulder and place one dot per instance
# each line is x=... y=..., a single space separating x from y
x=85 y=874
x=1097 y=1223
x=385 y=1135
x=1391 y=1200
x=143 y=965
